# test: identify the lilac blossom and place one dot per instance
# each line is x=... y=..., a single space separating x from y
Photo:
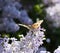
x=27 y=44
x=53 y=15
x=57 y=50
x=11 y=10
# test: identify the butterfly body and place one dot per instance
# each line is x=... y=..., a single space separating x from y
x=37 y=24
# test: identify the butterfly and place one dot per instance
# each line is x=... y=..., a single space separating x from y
x=37 y=24
x=33 y=26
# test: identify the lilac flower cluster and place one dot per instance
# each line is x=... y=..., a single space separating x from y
x=53 y=13
x=27 y=44
x=10 y=10
x=57 y=50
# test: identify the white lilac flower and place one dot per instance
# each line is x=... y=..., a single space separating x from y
x=32 y=41
x=28 y=44
x=53 y=15
x=57 y=50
